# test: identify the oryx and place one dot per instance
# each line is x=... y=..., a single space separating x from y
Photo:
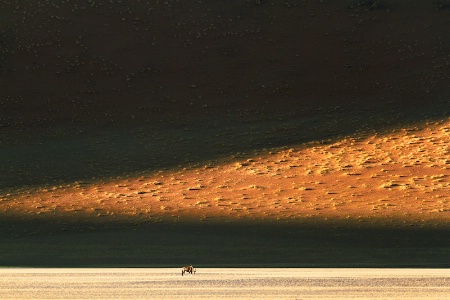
x=188 y=269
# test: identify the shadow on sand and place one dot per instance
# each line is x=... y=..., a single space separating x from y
x=116 y=89
x=238 y=244
x=33 y=157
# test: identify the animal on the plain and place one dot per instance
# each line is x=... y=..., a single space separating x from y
x=188 y=269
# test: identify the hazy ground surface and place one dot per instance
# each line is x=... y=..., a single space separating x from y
x=225 y=283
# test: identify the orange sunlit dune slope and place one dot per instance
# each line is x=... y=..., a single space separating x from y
x=401 y=178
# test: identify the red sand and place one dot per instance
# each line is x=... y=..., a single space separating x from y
x=400 y=178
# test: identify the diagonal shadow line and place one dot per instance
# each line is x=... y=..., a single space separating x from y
x=102 y=154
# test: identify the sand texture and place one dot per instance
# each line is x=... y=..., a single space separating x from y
x=399 y=178
x=224 y=284
x=292 y=133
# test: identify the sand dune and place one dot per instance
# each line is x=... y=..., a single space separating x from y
x=399 y=178
x=104 y=89
x=200 y=114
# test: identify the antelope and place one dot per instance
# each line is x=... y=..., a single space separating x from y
x=188 y=269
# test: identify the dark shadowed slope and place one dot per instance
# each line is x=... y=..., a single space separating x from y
x=64 y=244
x=108 y=88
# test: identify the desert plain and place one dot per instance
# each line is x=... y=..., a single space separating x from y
x=226 y=283
x=238 y=133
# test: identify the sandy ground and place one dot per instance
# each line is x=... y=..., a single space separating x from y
x=225 y=284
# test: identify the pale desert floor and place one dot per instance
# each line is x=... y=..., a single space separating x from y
x=399 y=178
x=225 y=284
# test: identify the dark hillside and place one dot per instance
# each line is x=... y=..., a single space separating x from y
x=73 y=61
x=74 y=72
